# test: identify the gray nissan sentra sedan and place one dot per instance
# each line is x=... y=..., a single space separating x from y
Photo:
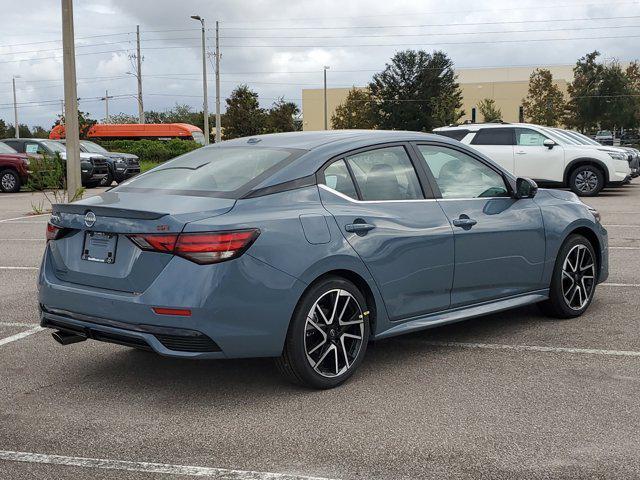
x=306 y=246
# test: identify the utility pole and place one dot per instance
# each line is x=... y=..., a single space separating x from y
x=326 y=121
x=218 y=123
x=139 y=75
x=74 y=182
x=15 y=110
x=106 y=106
x=205 y=104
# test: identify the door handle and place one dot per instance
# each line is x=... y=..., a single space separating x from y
x=359 y=228
x=521 y=153
x=464 y=222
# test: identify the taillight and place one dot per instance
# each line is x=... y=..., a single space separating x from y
x=53 y=232
x=202 y=247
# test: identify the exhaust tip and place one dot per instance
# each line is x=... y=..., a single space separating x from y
x=65 y=338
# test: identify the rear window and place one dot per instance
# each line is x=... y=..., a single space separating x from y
x=494 y=136
x=455 y=134
x=4 y=148
x=227 y=172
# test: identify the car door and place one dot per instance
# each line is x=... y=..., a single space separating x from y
x=534 y=160
x=499 y=241
x=497 y=144
x=394 y=225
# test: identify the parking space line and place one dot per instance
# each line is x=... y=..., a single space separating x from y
x=21 y=335
x=621 y=226
x=630 y=285
x=535 y=348
x=16 y=219
x=19 y=268
x=624 y=248
x=17 y=324
x=216 y=473
x=22 y=239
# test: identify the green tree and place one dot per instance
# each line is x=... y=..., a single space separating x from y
x=489 y=111
x=584 y=108
x=122 y=118
x=633 y=73
x=3 y=129
x=357 y=111
x=39 y=132
x=544 y=104
x=618 y=98
x=416 y=91
x=23 y=129
x=243 y=117
x=282 y=117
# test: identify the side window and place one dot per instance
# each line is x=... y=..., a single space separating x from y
x=526 y=137
x=34 y=148
x=455 y=134
x=460 y=176
x=493 y=136
x=17 y=146
x=385 y=174
x=337 y=176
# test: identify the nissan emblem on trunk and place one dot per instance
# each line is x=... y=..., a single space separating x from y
x=90 y=219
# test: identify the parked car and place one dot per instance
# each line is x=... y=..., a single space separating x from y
x=14 y=169
x=632 y=153
x=604 y=137
x=121 y=165
x=93 y=167
x=531 y=151
x=630 y=137
x=306 y=245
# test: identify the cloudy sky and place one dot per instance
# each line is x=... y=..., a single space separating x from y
x=279 y=47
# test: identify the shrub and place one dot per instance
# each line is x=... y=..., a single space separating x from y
x=49 y=176
x=151 y=150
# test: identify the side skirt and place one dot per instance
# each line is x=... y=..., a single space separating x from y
x=464 y=313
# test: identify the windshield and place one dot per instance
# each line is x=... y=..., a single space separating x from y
x=212 y=171
x=92 y=147
x=4 y=148
x=55 y=147
x=558 y=137
x=603 y=133
x=583 y=139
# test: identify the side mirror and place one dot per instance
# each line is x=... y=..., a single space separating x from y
x=525 y=188
x=549 y=143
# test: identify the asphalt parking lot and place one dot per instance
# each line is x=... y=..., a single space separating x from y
x=512 y=395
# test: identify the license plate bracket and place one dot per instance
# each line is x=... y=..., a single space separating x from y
x=99 y=247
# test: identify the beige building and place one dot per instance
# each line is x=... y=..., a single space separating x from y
x=506 y=85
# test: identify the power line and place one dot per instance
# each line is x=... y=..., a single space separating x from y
x=509 y=22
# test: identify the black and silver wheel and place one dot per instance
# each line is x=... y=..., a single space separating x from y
x=9 y=181
x=328 y=335
x=586 y=181
x=574 y=279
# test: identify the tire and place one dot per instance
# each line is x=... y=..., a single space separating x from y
x=9 y=181
x=564 y=300
x=108 y=180
x=586 y=181
x=314 y=341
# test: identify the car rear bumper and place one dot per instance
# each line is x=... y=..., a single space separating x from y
x=242 y=306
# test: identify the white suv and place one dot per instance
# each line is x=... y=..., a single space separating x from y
x=550 y=159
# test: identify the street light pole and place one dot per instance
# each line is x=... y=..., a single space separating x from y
x=205 y=105
x=15 y=110
x=218 y=123
x=326 y=120
x=74 y=182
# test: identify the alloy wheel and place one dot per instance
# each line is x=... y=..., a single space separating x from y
x=8 y=182
x=586 y=181
x=334 y=332
x=578 y=277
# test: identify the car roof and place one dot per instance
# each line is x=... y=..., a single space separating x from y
x=314 y=139
x=474 y=127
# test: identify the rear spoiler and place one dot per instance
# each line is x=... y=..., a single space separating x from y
x=79 y=209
